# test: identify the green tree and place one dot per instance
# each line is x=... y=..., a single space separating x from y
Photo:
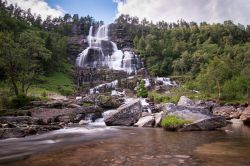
x=142 y=91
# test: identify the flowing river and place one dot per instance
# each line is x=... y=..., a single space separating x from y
x=101 y=145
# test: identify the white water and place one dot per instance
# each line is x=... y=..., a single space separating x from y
x=118 y=60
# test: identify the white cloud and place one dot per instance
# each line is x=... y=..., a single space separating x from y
x=39 y=7
x=190 y=10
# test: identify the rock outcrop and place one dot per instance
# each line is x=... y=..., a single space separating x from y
x=245 y=116
x=125 y=115
x=199 y=116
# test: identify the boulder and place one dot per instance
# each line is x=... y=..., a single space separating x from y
x=245 y=116
x=126 y=115
x=189 y=115
x=210 y=123
x=108 y=102
x=147 y=121
x=184 y=101
x=200 y=117
x=229 y=112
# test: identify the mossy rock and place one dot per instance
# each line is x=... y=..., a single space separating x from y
x=108 y=102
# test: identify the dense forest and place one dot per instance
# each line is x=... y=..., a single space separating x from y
x=214 y=58
x=33 y=52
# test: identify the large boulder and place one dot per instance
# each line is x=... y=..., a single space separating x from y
x=210 y=123
x=199 y=116
x=125 y=115
x=108 y=102
x=147 y=121
x=184 y=101
x=245 y=116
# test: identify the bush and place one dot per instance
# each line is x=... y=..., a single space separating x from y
x=173 y=123
x=142 y=91
x=20 y=101
x=44 y=94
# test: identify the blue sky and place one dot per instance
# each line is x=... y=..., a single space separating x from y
x=100 y=9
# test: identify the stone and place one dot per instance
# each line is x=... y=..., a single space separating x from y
x=126 y=115
x=73 y=106
x=184 y=101
x=83 y=122
x=158 y=118
x=147 y=121
x=210 y=123
x=229 y=112
x=245 y=116
x=11 y=133
x=189 y=115
x=16 y=119
x=108 y=102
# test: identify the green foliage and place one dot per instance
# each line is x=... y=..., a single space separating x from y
x=142 y=91
x=173 y=123
x=20 y=101
x=212 y=55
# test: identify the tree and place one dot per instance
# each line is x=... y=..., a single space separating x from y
x=22 y=59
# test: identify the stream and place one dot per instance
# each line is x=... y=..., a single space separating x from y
x=100 y=145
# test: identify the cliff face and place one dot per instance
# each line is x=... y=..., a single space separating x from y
x=119 y=35
x=92 y=72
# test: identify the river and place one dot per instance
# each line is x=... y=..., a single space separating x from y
x=102 y=145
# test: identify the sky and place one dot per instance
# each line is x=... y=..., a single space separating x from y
x=212 y=11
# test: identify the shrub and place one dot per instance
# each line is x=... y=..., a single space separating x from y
x=44 y=94
x=173 y=123
x=21 y=100
x=142 y=91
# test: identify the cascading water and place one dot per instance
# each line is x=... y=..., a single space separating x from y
x=104 y=53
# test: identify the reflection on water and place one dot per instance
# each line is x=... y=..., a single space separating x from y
x=129 y=146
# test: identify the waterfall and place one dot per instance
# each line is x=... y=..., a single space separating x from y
x=102 y=52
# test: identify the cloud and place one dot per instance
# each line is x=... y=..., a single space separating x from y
x=39 y=7
x=211 y=11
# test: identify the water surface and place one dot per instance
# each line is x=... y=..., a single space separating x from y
x=129 y=146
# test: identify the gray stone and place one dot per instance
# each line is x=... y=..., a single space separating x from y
x=147 y=121
x=83 y=122
x=125 y=115
x=158 y=118
x=211 y=123
x=184 y=101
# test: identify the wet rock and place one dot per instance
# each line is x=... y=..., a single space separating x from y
x=184 y=101
x=83 y=122
x=211 y=123
x=11 y=133
x=147 y=121
x=245 y=116
x=229 y=112
x=125 y=115
x=16 y=119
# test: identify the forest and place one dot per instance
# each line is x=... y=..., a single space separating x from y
x=213 y=59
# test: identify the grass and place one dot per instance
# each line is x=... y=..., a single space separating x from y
x=172 y=123
x=58 y=82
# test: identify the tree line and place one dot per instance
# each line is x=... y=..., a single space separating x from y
x=216 y=57
x=31 y=48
